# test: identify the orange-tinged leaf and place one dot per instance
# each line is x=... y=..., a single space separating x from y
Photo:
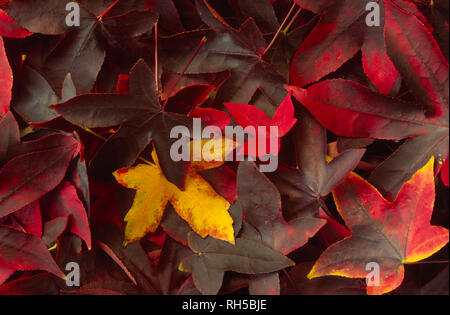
x=199 y=205
x=388 y=233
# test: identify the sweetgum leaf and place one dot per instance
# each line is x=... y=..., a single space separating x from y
x=315 y=177
x=25 y=174
x=339 y=35
x=261 y=205
x=350 y=109
x=388 y=233
x=140 y=107
x=153 y=192
x=64 y=202
x=422 y=65
x=21 y=251
x=214 y=257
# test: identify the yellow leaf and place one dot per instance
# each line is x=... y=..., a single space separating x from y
x=199 y=205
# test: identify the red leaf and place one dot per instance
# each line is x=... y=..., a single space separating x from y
x=250 y=116
x=28 y=177
x=64 y=202
x=21 y=251
x=30 y=219
x=9 y=28
x=387 y=233
x=261 y=205
x=444 y=172
x=351 y=110
x=417 y=56
x=4 y=274
x=6 y=80
x=333 y=231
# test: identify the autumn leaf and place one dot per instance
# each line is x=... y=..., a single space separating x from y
x=444 y=172
x=9 y=28
x=214 y=257
x=199 y=205
x=250 y=116
x=388 y=233
x=6 y=80
x=261 y=204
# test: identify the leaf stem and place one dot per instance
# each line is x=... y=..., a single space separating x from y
x=279 y=29
x=429 y=262
x=100 y=17
x=292 y=20
x=156 y=58
x=202 y=42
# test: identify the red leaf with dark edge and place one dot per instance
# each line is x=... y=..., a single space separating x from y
x=40 y=284
x=29 y=217
x=339 y=35
x=333 y=231
x=388 y=233
x=261 y=205
x=63 y=202
x=6 y=80
x=27 y=177
x=21 y=251
x=5 y=273
x=351 y=110
x=336 y=38
x=9 y=28
x=416 y=54
x=377 y=65
x=444 y=172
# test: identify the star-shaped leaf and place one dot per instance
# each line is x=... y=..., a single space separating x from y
x=199 y=205
x=390 y=234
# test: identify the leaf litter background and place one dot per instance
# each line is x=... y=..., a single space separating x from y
x=363 y=173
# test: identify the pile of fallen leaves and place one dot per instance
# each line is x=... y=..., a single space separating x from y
x=86 y=175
